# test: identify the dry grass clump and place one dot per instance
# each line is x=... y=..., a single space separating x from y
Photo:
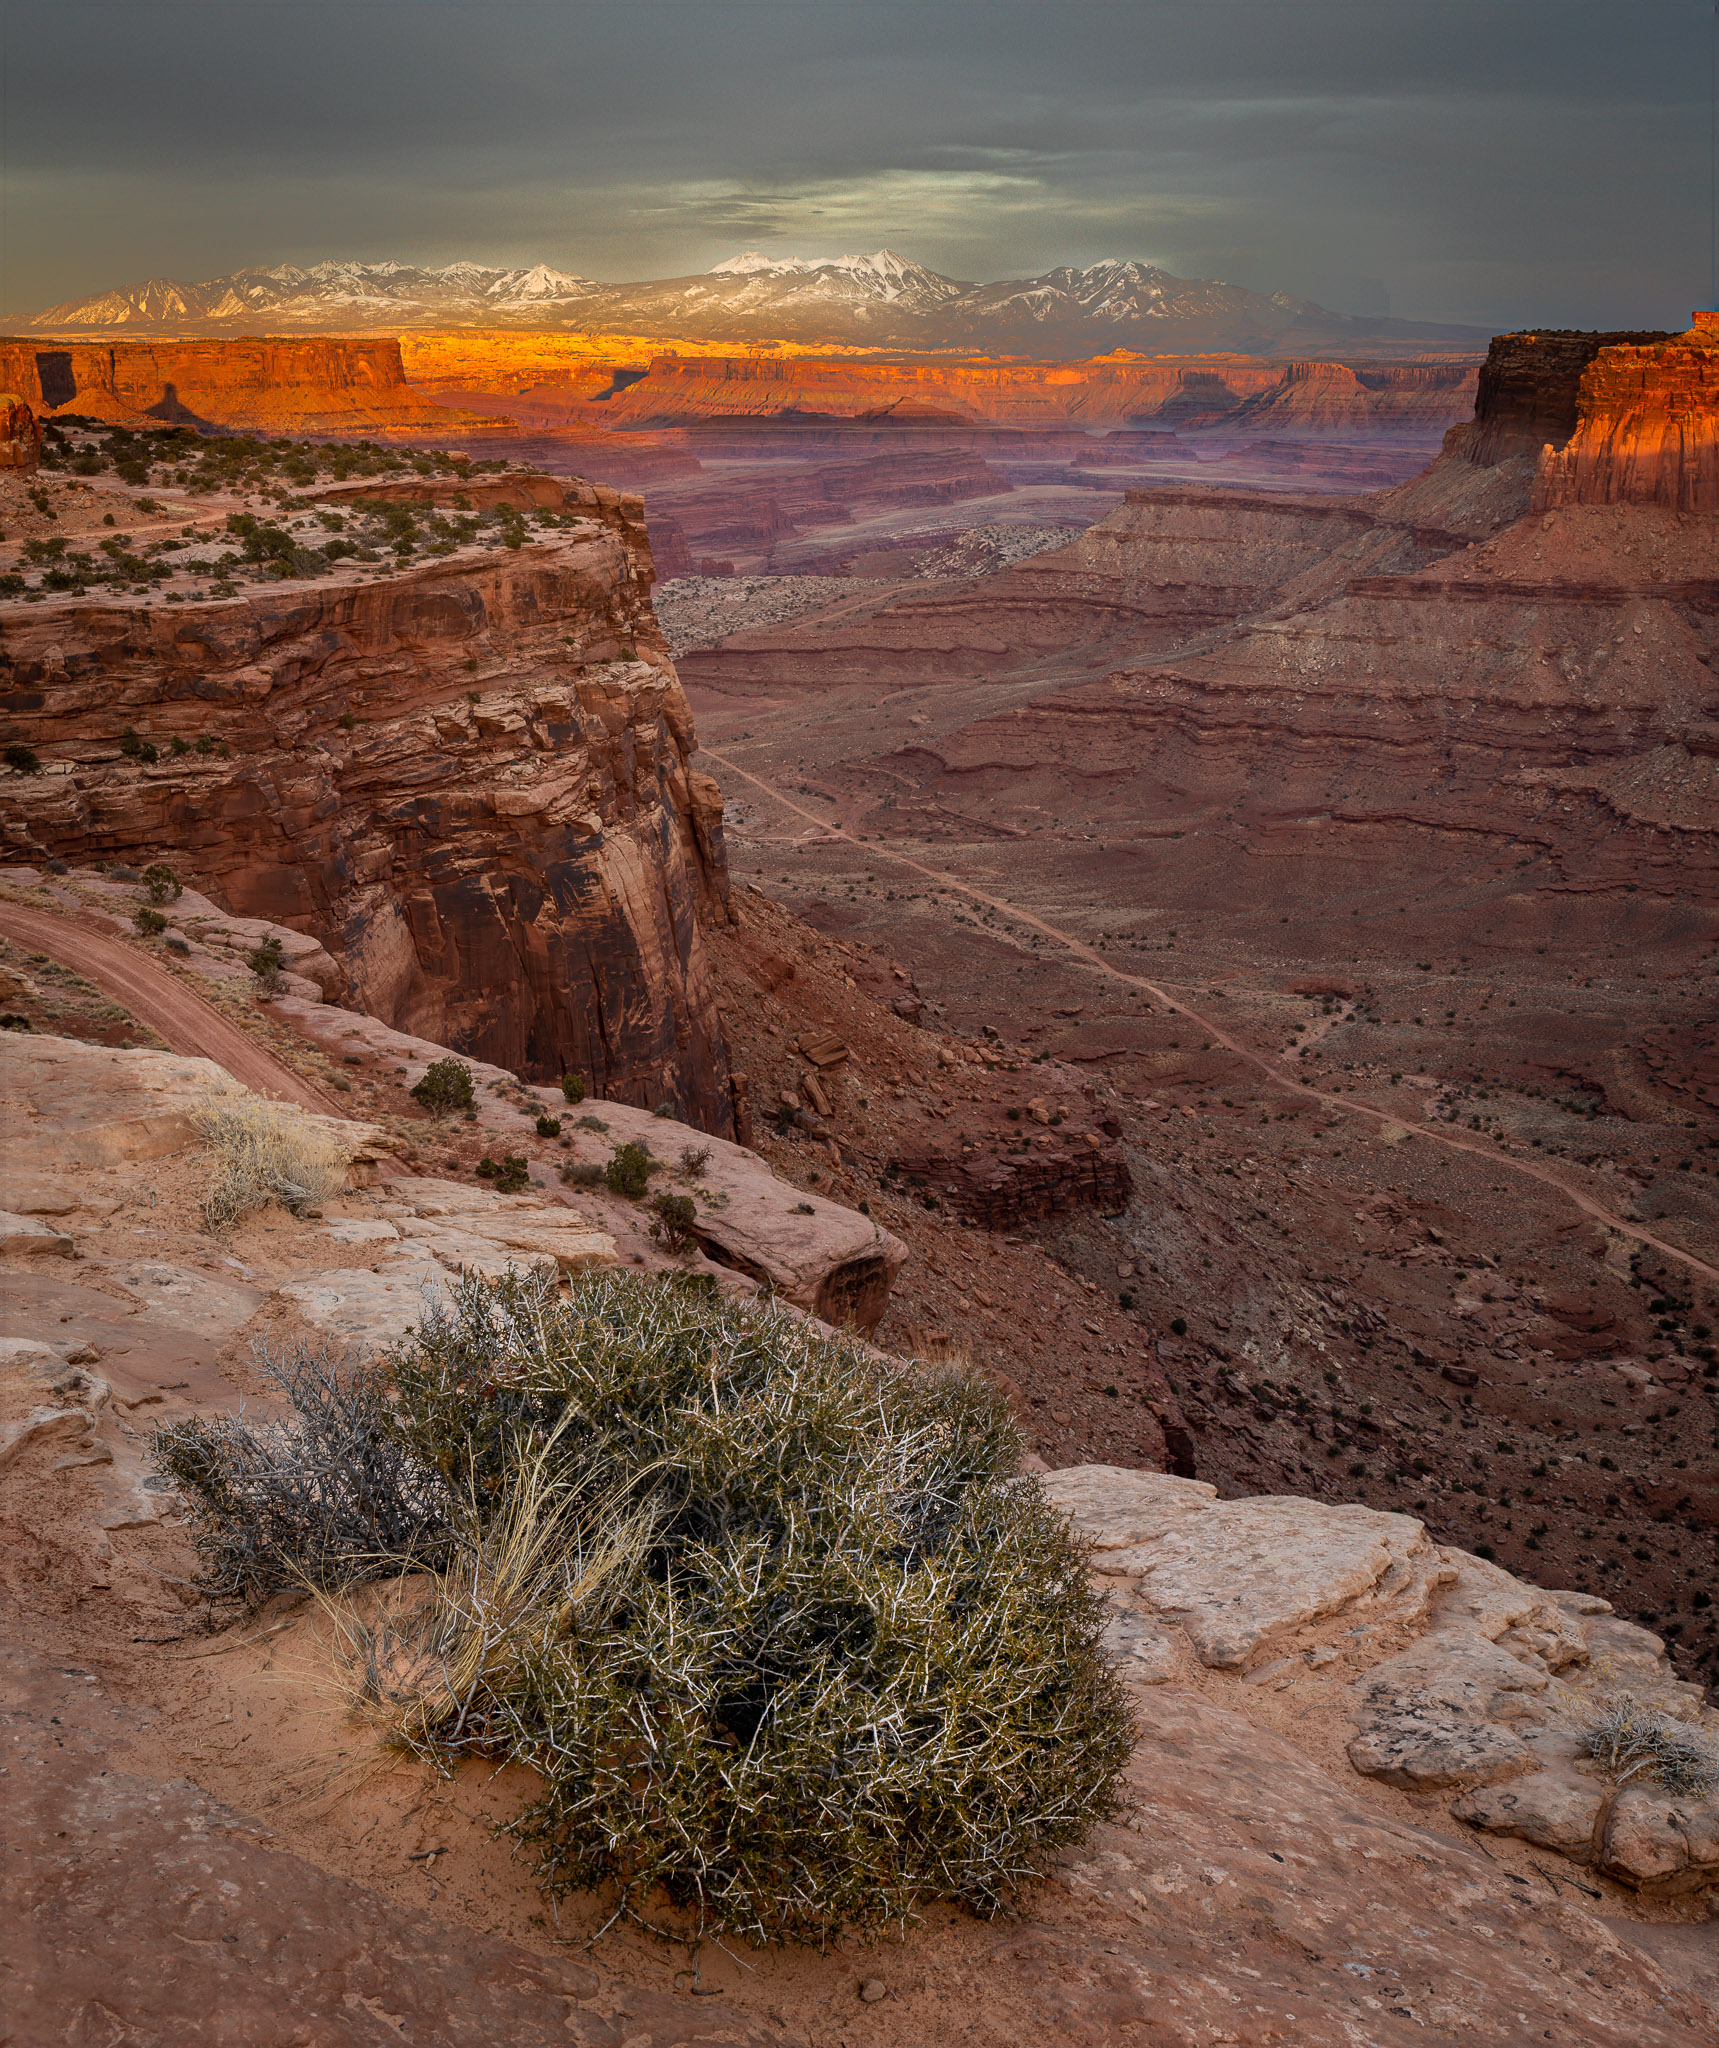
x=266 y=1152
x=1630 y=1737
x=788 y=1640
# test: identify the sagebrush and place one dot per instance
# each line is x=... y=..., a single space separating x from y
x=789 y=1641
x=332 y=1494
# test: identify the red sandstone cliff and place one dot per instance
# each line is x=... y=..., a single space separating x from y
x=1646 y=430
x=1104 y=392
x=470 y=780
x=276 y=387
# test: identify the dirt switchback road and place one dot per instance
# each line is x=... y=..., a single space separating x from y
x=163 y=1002
x=1272 y=1068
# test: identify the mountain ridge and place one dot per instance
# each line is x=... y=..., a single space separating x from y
x=881 y=300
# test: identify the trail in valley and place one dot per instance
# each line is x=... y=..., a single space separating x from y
x=1089 y=956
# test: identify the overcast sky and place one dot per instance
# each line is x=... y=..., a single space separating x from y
x=1504 y=162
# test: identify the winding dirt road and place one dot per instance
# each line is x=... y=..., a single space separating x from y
x=162 y=1001
x=1266 y=1065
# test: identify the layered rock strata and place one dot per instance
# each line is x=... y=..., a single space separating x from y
x=1646 y=430
x=277 y=387
x=470 y=781
x=1105 y=391
x=1520 y=641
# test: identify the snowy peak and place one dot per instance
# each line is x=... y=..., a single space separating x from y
x=881 y=275
x=877 y=300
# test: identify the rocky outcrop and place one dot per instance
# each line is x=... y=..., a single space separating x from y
x=1646 y=430
x=20 y=436
x=275 y=387
x=470 y=781
x=1460 y=1683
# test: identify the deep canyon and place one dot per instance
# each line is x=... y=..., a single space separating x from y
x=1203 y=868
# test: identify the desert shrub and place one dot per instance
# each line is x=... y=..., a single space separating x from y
x=331 y=1495
x=510 y=1173
x=149 y=922
x=573 y=1087
x=694 y=1159
x=629 y=1171
x=163 y=884
x=582 y=1173
x=23 y=760
x=266 y=1152
x=790 y=1643
x=446 y=1085
x=268 y=965
x=675 y=1217
x=177 y=945
x=549 y=1127
x=1629 y=1737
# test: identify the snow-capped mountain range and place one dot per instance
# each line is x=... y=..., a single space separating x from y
x=883 y=300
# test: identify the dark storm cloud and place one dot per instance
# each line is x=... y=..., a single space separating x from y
x=1501 y=161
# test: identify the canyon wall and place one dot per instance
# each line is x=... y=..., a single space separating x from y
x=1519 y=643
x=1107 y=391
x=1646 y=427
x=274 y=387
x=470 y=780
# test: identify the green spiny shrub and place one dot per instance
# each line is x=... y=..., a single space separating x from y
x=788 y=1640
x=163 y=884
x=573 y=1087
x=809 y=1654
x=149 y=922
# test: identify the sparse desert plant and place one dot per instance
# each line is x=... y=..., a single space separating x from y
x=510 y=1173
x=268 y=966
x=573 y=1087
x=266 y=1152
x=581 y=1173
x=693 y=1160
x=446 y=1085
x=628 y=1173
x=23 y=760
x=675 y=1217
x=163 y=884
x=549 y=1127
x=149 y=922
x=332 y=1495
x=1629 y=1738
x=787 y=1639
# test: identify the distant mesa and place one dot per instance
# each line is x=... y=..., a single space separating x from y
x=882 y=300
x=305 y=385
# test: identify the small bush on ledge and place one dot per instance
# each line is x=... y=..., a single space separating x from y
x=628 y=1173
x=446 y=1085
x=787 y=1640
